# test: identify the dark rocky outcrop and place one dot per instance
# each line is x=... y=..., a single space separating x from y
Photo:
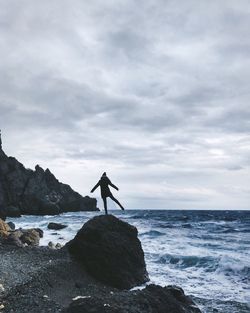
x=110 y=250
x=24 y=191
x=9 y=211
x=152 y=299
x=56 y=226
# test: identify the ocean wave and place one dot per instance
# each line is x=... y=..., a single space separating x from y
x=228 y=231
x=153 y=233
x=185 y=261
x=221 y=265
x=187 y=225
x=165 y=225
x=234 y=267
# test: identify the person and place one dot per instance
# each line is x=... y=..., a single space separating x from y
x=104 y=183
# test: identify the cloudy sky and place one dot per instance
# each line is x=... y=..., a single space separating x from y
x=155 y=92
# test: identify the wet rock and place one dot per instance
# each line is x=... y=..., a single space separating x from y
x=40 y=232
x=24 y=237
x=110 y=251
x=11 y=225
x=152 y=299
x=58 y=245
x=31 y=237
x=51 y=245
x=56 y=226
x=14 y=238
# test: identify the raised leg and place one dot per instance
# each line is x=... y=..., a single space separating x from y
x=116 y=201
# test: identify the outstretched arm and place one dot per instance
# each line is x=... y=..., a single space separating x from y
x=112 y=185
x=94 y=188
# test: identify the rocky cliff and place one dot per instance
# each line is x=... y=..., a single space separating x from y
x=38 y=192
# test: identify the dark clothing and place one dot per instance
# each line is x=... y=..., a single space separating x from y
x=104 y=183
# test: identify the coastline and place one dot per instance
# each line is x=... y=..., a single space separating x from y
x=41 y=279
x=175 y=267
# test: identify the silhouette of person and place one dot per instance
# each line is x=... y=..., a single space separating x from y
x=104 y=183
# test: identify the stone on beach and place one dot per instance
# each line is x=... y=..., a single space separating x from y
x=31 y=237
x=56 y=226
x=19 y=237
x=110 y=251
x=12 y=225
x=52 y=245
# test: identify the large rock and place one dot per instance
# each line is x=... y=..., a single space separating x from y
x=31 y=237
x=56 y=226
x=11 y=225
x=152 y=299
x=24 y=237
x=110 y=251
x=24 y=191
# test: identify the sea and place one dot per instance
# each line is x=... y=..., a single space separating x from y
x=206 y=253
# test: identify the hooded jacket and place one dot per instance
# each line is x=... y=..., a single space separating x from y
x=104 y=184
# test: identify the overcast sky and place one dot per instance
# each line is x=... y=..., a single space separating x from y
x=155 y=92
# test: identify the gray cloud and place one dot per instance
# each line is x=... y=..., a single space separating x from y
x=155 y=92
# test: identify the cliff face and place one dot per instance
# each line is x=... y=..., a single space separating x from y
x=24 y=191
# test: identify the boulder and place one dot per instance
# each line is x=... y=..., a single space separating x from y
x=31 y=237
x=56 y=226
x=152 y=299
x=14 y=238
x=11 y=225
x=22 y=237
x=110 y=250
x=53 y=246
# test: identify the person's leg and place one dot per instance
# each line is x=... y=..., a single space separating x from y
x=105 y=205
x=116 y=201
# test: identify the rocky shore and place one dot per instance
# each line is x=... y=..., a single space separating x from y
x=40 y=279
